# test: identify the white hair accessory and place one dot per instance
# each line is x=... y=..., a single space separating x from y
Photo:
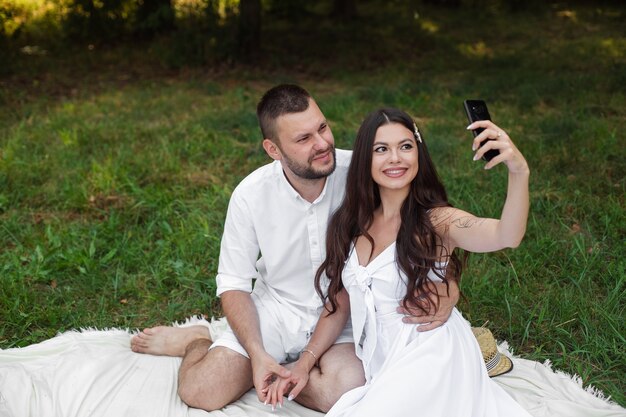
x=416 y=133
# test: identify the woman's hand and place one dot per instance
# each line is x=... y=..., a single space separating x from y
x=292 y=385
x=509 y=154
x=264 y=370
x=476 y=234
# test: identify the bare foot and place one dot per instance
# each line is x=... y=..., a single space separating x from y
x=168 y=341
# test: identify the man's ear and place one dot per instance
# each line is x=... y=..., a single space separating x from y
x=272 y=150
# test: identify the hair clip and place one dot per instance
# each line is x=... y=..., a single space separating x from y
x=416 y=133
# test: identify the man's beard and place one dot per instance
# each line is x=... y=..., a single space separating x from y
x=307 y=171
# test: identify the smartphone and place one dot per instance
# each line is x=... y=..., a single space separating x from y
x=477 y=110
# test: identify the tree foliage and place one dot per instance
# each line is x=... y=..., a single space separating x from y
x=197 y=32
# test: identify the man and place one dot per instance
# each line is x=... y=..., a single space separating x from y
x=280 y=211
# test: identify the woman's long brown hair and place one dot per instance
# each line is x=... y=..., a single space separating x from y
x=418 y=247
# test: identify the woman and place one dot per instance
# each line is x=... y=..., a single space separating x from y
x=394 y=235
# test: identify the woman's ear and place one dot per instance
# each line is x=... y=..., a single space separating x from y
x=272 y=149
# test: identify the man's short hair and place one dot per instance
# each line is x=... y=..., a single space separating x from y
x=279 y=100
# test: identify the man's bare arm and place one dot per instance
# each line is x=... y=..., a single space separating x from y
x=243 y=318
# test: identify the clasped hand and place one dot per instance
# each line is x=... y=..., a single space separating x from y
x=291 y=385
x=266 y=370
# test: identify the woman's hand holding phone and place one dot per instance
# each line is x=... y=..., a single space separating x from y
x=494 y=138
x=476 y=110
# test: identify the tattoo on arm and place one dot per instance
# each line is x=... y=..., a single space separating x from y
x=467 y=222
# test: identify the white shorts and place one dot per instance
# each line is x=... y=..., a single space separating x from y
x=282 y=345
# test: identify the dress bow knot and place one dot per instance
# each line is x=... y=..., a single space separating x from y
x=363 y=278
x=359 y=286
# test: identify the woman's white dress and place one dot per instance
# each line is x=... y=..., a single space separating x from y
x=438 y=373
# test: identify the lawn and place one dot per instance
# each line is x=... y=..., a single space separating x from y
x=116 y=168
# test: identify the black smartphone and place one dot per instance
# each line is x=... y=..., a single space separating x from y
x=477 y=110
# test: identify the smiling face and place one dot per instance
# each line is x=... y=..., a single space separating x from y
x=305 y=144
x=394 y=157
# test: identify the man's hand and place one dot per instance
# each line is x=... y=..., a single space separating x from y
x=264 y=370
x=434 y=319
x=292 y=385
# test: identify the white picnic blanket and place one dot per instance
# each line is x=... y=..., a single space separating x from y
x=93 y=373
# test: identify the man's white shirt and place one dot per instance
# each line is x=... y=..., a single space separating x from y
x=274 y=236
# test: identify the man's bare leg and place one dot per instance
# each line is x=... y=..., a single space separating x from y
x=339 y=371
x=212 y=379
x=167 y=340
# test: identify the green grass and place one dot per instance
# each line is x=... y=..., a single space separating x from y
x=115 y=171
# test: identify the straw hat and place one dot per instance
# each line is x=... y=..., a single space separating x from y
x=496 y=363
